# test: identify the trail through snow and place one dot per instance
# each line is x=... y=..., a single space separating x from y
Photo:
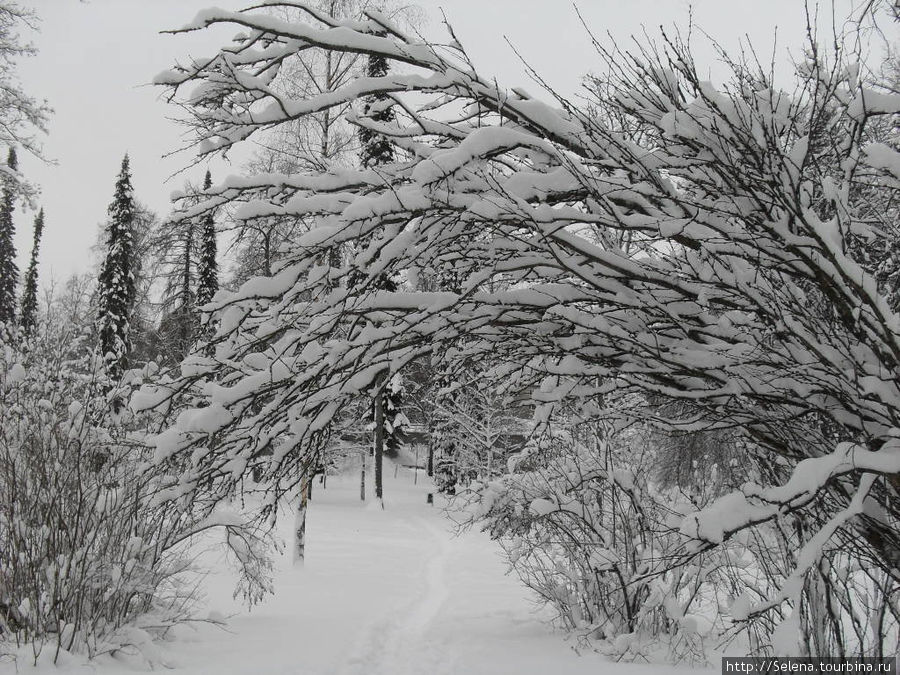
x=394 y=644
x=382 y=592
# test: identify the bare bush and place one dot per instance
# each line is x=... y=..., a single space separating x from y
x=90 y=559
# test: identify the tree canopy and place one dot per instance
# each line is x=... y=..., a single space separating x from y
x=676 y=239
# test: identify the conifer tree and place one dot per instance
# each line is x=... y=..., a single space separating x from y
x=9 y=272
x=377 y=150
x=29 y=295
x=116 y=283
x=394 y=419
x=208 y=273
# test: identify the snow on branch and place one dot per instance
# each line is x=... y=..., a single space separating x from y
x=755 y=504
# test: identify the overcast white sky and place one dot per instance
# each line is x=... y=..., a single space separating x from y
x=97 y=56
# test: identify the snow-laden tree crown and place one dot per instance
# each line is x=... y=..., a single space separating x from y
x=730 y=247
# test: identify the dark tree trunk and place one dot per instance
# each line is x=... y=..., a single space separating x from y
x=379 y=444
x=362 y=478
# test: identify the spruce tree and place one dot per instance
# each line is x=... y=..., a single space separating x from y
x=29 y=295
x=116 y=291
x=9 y=272
x=394 y=419
x=377 y=150
x=208 y=273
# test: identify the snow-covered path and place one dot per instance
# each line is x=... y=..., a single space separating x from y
x=390 y=592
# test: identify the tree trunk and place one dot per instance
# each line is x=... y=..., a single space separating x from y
x=300 y=522
x=379 y=445
x=362 y=477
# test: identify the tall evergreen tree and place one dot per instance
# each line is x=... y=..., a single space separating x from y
x=116 y=283
x=208 y=273
x=377 y=150
x=29 y=295
x=9 y=272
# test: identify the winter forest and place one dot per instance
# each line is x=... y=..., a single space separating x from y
x=423 y=372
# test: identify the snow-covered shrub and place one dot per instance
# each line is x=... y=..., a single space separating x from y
x=590 y=516
x=841 y=601
x=90 y=559
x=583 y=527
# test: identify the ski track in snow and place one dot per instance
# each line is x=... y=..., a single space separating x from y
x=394 y=644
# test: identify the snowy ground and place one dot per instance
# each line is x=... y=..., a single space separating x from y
x=390 y=592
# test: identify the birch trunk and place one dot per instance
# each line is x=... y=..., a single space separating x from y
x=300 y=522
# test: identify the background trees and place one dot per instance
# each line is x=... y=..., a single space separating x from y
x=186 y=277
x=175 y=245
x=310 y=143
x=21 y=116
